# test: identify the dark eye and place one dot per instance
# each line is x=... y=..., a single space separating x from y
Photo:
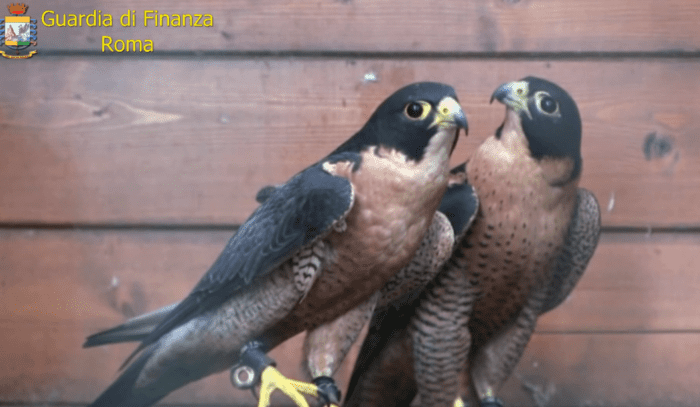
x=414 y=110
x=548 y=105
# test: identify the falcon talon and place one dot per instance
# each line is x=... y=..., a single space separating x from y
x=475 y=319
x=271 y=380
x=287 y=269
x=328 y=392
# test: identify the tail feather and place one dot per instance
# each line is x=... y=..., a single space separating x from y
x=133 y=330
x=117 y=334
x=122 y=393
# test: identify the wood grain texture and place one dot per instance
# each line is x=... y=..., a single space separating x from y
x=57 y=287
x=647 y=370
x=386 y=26
x=634 y=283
x=186 y=135
x=631 y=308
x=185 y=142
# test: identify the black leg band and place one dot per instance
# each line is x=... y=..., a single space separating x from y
x=246 y=373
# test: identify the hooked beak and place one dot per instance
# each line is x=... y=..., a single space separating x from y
x=514 y=95
x=450 y=114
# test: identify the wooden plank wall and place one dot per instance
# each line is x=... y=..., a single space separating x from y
x=123 y=174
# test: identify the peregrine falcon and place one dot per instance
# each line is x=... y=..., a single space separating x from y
x=456 y=212
x=314 y=254
x=533 y=236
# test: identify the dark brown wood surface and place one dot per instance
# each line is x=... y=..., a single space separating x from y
x=122 y=175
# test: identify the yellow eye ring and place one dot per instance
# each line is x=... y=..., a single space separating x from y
x=417 y=110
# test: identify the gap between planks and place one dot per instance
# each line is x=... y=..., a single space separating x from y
x=390 y=55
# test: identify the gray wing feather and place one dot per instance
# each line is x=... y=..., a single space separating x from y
x=138 y=328
x=293 y=216
x=265 y=192
x=579 y=246
x=460 y=204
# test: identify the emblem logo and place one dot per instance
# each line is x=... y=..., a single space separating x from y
x=17 y=32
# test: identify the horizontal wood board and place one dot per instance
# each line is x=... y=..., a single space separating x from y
x=481 y=26
x=190 y=142
x=172 y=146
x=60 y=286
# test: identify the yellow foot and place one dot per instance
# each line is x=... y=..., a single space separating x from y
x=458 y=402
x=271 y=380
